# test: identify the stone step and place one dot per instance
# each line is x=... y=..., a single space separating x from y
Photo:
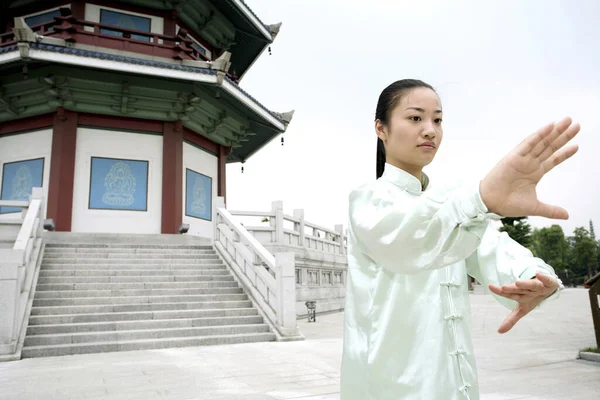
x=89 y=301
x=134 y=273
x=113 y=246
x=192 y=270
x=53 y=251
x=137 y=256
x=74 y=293
x=166 y=276
x=73 y=314
x=102 y=347
x=70 y=281
x=144 y=261
x=143 y=324
x=166 y=279
x=120 y=336
x=121 y=267
x=104 y=283
x=175 y=273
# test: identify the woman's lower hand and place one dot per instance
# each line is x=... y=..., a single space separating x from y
x=528 y=294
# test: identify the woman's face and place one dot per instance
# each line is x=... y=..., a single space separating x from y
x=414 y=130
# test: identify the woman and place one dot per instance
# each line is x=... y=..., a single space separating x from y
x=411 y=246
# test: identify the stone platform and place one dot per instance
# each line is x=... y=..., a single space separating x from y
x=535 y=361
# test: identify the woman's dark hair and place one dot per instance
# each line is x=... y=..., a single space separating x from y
x=388 y=100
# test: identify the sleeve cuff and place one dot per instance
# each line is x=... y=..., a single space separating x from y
x=473 y=209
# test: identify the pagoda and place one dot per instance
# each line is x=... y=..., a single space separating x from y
x=126 y=112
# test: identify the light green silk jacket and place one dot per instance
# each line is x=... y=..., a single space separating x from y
x=407 y=332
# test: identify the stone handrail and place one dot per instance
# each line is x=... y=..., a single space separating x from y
x=277 y=232
x=17 y=271
x=269 y=280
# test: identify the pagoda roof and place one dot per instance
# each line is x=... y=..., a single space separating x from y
x=252 y=36
x=202 y=80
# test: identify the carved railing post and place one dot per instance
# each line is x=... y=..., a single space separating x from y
x=299 y=226
x=277 y=208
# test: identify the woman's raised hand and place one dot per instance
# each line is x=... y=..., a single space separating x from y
x=509 y=189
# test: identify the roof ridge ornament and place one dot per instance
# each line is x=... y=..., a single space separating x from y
x=274 y=28
x=286 y=117
x=222 y=63
x=22 y=31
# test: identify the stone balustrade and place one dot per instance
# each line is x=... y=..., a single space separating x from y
x=320 y=253
x=18 y=269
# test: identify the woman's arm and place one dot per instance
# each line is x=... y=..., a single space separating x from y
x=499 y=260
x=412 y=234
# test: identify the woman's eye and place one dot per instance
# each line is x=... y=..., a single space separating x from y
x=416 y=118
x=438 y=120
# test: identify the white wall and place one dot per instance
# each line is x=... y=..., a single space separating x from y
x=92 y=14
x=26 y=146
x=206 y=164
x=124 y=145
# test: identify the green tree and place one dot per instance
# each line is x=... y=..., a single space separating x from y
x=518 y=229
x=584 y=253
x=593 y=236
x=550 y=245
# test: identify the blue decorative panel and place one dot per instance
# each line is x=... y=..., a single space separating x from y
x=126 y=21
x=42 y=18
x=18 y=180
x=118 y=184
x=198 y=195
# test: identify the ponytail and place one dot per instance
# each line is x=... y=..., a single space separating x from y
x=380 y=158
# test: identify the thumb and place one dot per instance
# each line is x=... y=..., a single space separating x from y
x=511 y=320
x=550 y=211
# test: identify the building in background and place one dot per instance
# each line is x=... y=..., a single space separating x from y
x=126 y=112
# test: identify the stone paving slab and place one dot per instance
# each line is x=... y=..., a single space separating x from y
x=535 y=361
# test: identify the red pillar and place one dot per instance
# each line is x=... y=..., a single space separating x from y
x=172 y=182
x=222 y=176
x=62 y=169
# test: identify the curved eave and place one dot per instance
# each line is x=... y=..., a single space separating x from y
x=248 y=14
x=252 y=37
x=109 y=62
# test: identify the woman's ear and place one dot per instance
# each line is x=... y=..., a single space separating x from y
x=380 y=130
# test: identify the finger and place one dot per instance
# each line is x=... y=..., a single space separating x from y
x=532 y=140
x=511 y=320
x=507 y=290
x=497 y=290
x=560 y=141
x=549 y=211
x=559 y=157
x=516 y=290
x=548 y=141
x=531 y=285
x=547 y=280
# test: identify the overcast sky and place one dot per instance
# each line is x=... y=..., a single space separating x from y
x=502 y=69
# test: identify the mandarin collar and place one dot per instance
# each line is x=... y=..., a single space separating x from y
x=404 y=180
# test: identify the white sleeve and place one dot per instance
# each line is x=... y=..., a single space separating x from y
x=416 y=233
x=499 y=260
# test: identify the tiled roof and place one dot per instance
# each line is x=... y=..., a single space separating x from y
x=136 y=61
x=256 y=16
x=125 y=59
x=253 y=99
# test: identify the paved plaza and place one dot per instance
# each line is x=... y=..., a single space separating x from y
x=535 y=361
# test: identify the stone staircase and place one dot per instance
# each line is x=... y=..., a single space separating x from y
x=93 y=298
